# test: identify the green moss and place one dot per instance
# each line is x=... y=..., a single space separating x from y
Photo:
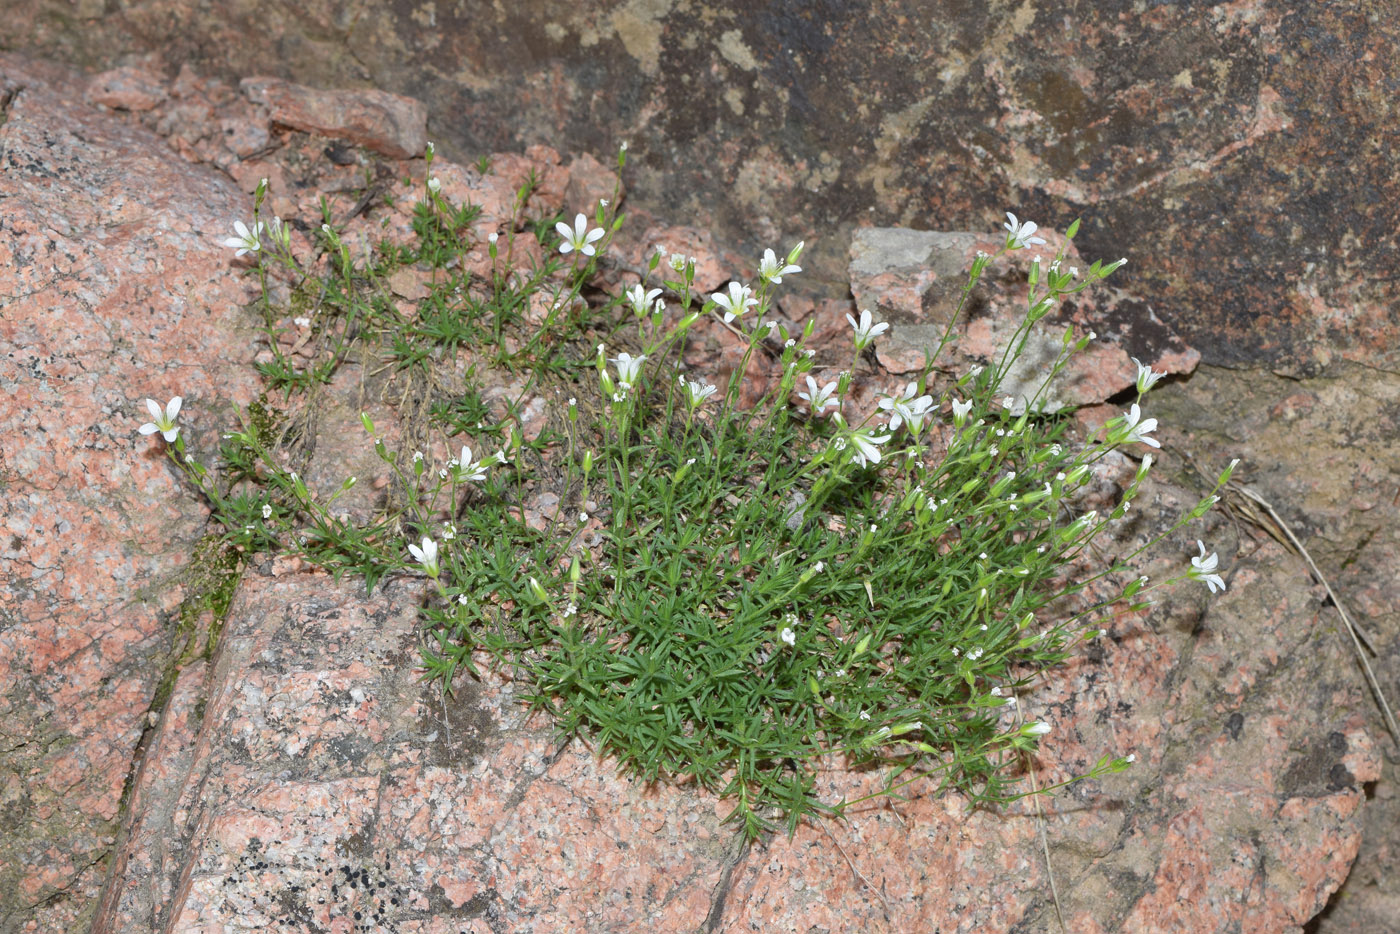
x=265 y=421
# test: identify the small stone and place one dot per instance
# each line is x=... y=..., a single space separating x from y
x=389 y=124
x=128 y=88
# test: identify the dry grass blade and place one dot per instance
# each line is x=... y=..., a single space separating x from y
x=1352 y=629
x=1280 y=531
x=1040 y=826
x=1045 y=845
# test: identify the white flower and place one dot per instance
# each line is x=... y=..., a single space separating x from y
x=163 y=422
x=788 y=636
x=302 y=322
x=866 y=329
x=960 y=410
x=1136 y=432
x=1145 y=377
x=698 y=392
x=906 y=408
x=771 y=269
x=267 y=511
x=819 y=399
x=580 y=237
x=1130 y=757
x=247 y=241
x=865 y=715
x=628 y=367
x=640 y=299
x=866 y=442
x=426 y=556
x=1037 y=728
x=739 y=300
x=434 y=184
x=1203 y=569
x=467 y=469
x=1020 y=234
x=492 y=237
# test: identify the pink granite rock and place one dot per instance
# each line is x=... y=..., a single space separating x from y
x=129 y=88
x=914 y=279
x=325 y=782
x=1323 y=452
x=115 y=288
x=386 y=123
x=306 y=778
x=713 y=266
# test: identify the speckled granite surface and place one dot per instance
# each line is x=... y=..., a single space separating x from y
x=313 y=783
x=113 y=288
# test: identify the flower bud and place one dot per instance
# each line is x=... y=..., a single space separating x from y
x=1226 y=474
x=537 y=591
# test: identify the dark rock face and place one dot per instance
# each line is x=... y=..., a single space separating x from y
x=1240 y=154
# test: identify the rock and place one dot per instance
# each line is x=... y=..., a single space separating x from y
x=1247 y=185
x=914 y=280
x=305 y=773
x=589 y=183
x=1323 y=452
x=390 y=124
x=115 y=287
x=326 y=779
x=713 y=267
x=127 y=89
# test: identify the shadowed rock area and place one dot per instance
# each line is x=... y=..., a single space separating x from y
x=1241 y=154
